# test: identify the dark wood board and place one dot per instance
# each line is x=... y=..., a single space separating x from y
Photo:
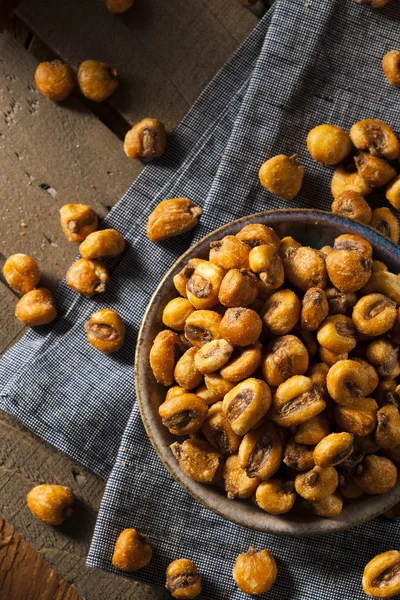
x=165 y=52
x=18 y=560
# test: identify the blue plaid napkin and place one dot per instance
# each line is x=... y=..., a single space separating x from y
x=306 y=63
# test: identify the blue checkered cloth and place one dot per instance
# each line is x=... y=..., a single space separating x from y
x=305 y=63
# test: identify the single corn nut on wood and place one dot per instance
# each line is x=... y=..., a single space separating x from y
x=77 y=221
x=51 y=504
x=55 y=80
x=97 y=80
x=146 y=140
x=21 y=273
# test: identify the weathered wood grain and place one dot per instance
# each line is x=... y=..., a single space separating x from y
x=18 y=560
x=25 y=461
x=50 y=155
x=10 y=328
x=6 y=8
x=165 y=52
x=230 y=14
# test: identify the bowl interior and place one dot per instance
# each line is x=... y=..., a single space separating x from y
x=311 y=228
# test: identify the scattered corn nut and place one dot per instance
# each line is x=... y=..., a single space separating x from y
x=183 y=579
x=131 y=553
x=51 y=504
x=353 y=206
x=391 y=64
x=375 y=136
x=374 y=170
x=171 y=218
x=381 y=575
x=255 y=571
x=393 y=192
x=347 y=179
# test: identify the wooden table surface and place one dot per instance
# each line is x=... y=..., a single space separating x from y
x=166 y=53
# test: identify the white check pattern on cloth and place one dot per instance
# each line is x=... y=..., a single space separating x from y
x=304 y=64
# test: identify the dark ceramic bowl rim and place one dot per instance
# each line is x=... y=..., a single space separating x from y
x=373 y=505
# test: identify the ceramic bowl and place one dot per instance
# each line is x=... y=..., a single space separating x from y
x=311 y=228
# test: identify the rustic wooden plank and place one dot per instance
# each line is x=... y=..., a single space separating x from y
x=6 y=8
x=230 y=13
x=18 y=560
x=166 y=52
x=50 y=154
x=19 y=30
x=25 y=461
x=190 y=41
x=10 y=328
